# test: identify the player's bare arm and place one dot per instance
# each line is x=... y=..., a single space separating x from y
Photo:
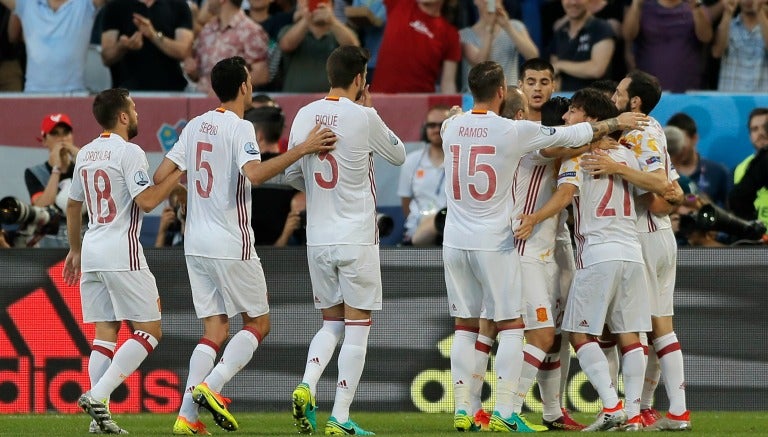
x=559 y=152
x=320 y=140
x=148 y=199
x=165 y=168
x=559 y=200
x=626 y=120
x=599 y=163
x=71 y=271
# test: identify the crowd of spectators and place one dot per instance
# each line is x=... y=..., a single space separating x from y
x=416 y=45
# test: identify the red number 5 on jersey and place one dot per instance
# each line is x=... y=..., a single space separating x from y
x=328 y=184
x=475 y=152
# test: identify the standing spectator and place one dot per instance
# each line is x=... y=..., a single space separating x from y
x=370 y=18
x=494 y=37
x=146 y=41
x=307 y=44
x=710 y=176
x=218 y=150
x=228 y=33
x=56 y=35
x=742 y=42
x=668 y=38
x=342 y=237
x=48 y=183
x=272 y=20
x=419 y=49
x=113 y=182
x=750 y=197
x=582 y=47
x=421 y=184
x=11 y=51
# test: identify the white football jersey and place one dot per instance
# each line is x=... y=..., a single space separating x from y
x=109 y=173
x=604 y=212
x=482 y=151
x=532 y=187
x=340 y=185
x=213 y=148
x=650 y=148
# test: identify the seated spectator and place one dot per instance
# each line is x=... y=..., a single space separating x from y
x=369 y=18
x=421 y=184
x=741 y=43
x=711 y=177
x=229 y=33
x=419 y=49
x=271 y=201
x=749 y=197
x=56 y=35
x=672 y=51
x=11 y=52
x=582 y=47
x=145 y=41
x=173 y=220
x=494 y=37
x=307 y=44
x=48 y=183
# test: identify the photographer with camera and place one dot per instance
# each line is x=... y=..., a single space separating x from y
x=170 y=232
x=48 y=183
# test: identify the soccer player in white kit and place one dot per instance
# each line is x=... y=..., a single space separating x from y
x=111 y=177
x=610 y=281
x=481 y=266
x=342 y=237
x=218 y=150
x=641 y=92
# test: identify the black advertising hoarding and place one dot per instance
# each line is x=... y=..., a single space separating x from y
x=721 y=297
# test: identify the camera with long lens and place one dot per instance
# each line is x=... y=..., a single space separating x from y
x=34 y=222
x=713 y=218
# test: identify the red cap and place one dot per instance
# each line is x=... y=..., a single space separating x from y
x=52 y=120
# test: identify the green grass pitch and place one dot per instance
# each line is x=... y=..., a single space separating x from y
x=384 y=424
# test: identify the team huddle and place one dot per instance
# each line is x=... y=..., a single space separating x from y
x=509 y=262
x=507 y=250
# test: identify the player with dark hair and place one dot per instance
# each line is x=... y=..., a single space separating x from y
x=219 y=152
x=342 y=237
x=111 y=178
x=482 y=268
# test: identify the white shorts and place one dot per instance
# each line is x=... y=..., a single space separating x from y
x=227 y=286
x=540 y=295
x=483 y=281
x=118 y=296
x=660 y=255
x=611 y=292
x=345 y=273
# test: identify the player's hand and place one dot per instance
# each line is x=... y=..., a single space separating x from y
x=455 y=110
x=674 y=195
x=633 y=120
x=320 y=139
x=605 y=143
x=71 y=272
x=525 y=229
x=189 y=65
x=365 y=97
x=599 y=163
